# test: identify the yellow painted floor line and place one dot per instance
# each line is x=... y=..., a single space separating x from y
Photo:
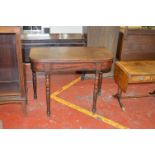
x=89 y=113
x=66 y=87
x=80 y=109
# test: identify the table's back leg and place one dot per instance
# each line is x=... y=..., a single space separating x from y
x=100 y=83
x=34 y=84
x=83 y=75
x=47 y=84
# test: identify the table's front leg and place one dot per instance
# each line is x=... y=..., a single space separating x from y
x=96 y=89
x=47 y=83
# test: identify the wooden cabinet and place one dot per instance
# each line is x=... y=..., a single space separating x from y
x=136 y=44
x=12 y=80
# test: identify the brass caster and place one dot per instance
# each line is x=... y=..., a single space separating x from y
x=123 y=109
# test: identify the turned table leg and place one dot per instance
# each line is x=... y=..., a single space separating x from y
x=96 y=89
x=34 y=84
x=47 y=84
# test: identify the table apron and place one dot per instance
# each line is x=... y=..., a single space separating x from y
x=67 y=67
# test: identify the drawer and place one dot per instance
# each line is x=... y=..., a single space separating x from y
x=153 y=78
x=142 y=79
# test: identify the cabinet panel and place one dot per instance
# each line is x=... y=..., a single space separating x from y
x=8 y=58
x=12 y=80
x=136 y=44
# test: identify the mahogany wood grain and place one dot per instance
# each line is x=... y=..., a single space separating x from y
x=69 y=54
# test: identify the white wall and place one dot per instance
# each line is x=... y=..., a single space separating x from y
x=65 y=29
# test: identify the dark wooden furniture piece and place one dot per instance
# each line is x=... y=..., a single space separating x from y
x=49 y=40
x=68 y=59
x=133 y=72
x=136 y=44
x=12 y=80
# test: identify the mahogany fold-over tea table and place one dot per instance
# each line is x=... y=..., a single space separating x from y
x=70 y=59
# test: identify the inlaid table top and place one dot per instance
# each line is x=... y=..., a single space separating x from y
x=138 y=67
x=134 y=72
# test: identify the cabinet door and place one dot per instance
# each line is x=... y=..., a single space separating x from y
x=8 y=58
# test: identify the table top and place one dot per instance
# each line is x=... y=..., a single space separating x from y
x=138 y=67
x=69 y=54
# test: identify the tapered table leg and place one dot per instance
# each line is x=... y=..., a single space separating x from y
x=34 y=84
x=96 y=84
x=47 y=83
x=100 y=83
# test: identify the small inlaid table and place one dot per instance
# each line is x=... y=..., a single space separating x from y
x=133 y=72
x=69 y=59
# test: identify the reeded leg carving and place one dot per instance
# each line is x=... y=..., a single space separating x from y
x=96 y=84
x=100 y=83
x=34 y=84
x=119 y=96
x=47 y=83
